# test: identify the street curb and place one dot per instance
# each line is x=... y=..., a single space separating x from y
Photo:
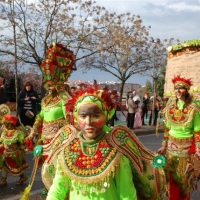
x=144 y=130
x=147 y=132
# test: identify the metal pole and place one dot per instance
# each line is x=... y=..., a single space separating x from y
x=153 y=103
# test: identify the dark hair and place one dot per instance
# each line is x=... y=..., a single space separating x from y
x=73 y=88
x=27 y=84
x=106 y=87
x=188 y=98
x=68 y=89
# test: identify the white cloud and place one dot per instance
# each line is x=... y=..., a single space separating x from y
x=185 y=5
x=167 y=18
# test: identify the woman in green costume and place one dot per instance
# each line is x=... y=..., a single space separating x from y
x=181 y=143
x=53 y=114
x=98 y=163
x=90 y=167
x=56 y=70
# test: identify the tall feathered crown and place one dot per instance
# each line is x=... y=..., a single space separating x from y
x=58 y=64
x=177 y=80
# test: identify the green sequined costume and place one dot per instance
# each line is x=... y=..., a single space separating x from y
x=113 y=166
x=92 y=170
x=182 y=140
x=52 y=117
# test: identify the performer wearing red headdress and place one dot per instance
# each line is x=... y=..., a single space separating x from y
x=56 y=69
x=181 y=143
x=12 y=146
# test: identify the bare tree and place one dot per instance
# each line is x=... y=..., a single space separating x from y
x=123 y=47
x=71 y=23
x=157 y=63
x=11 y=15
x=113 y=43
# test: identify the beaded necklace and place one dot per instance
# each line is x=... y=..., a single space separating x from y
x=50 y=102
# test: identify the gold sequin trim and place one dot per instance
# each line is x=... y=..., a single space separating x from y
x=181 y=139
x=12 y=138
x=188 y=117
x=96 y=175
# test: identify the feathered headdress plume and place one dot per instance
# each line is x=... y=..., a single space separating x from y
x=177 y=80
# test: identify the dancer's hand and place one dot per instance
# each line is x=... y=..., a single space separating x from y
x=198 y=154
x=32 y=134
x=162 y=150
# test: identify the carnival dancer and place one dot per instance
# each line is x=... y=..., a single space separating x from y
x=12 y=149
x=94 y=163
x=56 y=69
x=181 y=143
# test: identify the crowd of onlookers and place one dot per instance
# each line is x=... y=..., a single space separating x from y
x=138 y=109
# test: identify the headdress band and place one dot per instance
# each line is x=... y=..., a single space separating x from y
x=177 y=80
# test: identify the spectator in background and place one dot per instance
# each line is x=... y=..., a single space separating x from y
x=116 y=101
x=145 y=106
x=165 y=99
x=73 y=89
x=95 y=84
x=111 y=121
x=157 y=106
x=106 y=87
x=126 y=104
x=138 y=117
x=27 y=101
x=2 y=90
x=114 y=97
x=136 y=96
x=68 y=90
x=131 y=111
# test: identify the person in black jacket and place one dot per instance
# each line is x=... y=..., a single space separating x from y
x=27 y=100
x=145 y=105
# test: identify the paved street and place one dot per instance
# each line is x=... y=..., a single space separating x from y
x=13 y=191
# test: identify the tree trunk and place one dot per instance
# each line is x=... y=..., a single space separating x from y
x=121 y=89
x=15 y=57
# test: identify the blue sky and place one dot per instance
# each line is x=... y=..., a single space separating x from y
x=177 y=19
